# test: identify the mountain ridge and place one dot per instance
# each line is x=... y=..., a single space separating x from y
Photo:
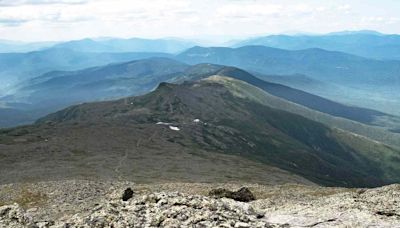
x=170 y=46
x=369 y=44
x=317 y=63
x=211 y=103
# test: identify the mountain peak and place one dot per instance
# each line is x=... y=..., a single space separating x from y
x=165 y=85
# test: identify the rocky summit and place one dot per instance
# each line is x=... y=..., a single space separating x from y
x=102 y=204
x=150 y=210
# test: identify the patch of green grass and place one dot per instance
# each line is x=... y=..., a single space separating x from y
x=27 y=198
x=383 y=156
x=6 y=140
x=78 y=152
x=23 y=197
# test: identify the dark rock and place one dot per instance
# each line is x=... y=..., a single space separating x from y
x=242 y=195
x=259 y=216
x=128 y=193
x=361 y=191
x=386 y=213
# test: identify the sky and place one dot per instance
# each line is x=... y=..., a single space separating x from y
x=55 y=20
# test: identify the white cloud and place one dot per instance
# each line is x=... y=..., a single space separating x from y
x=73 y=19
x=249 y=10
x=344 y=7
x=377 y=20
x=40 y=2
x=50 y=14
x=9 y=22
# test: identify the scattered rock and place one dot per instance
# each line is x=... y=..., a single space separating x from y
x=242 y=195
x=14 y=216
x=128 y=193
x=387 y=213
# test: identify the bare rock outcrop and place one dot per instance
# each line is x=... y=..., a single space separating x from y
x=101 y=204
x=164 y=209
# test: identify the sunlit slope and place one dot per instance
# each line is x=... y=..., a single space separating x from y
x=245 y=90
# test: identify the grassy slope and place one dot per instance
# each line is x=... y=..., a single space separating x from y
x=245 y=90
x=380 y=154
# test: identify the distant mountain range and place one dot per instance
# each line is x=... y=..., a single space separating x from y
x=19 y=61
x=7 y=46
x=314 y=63
x=368 y=44
x=194 y=119
x=127 y=45
x=318 y=64
x=16 y=67
x=101 y=45
x=59 y=89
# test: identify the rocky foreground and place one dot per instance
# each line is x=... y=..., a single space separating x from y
x=120 y=204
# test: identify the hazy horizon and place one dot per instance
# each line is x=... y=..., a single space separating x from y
x=218 y=40
x=224 y=20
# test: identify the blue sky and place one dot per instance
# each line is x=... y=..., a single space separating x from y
x=39 y=20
